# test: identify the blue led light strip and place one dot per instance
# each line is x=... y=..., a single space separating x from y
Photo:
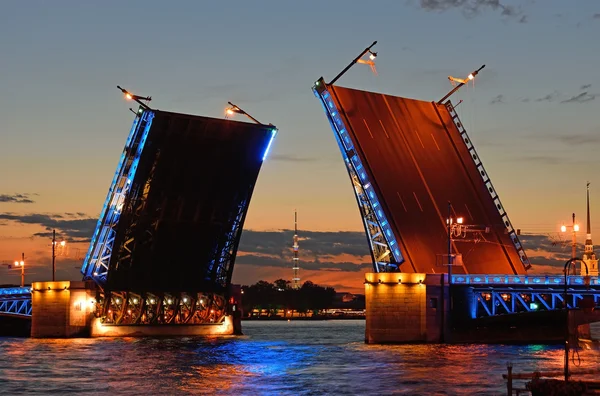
x=382 y=241
x=488 y=183
x=16 y=307
x=273 y=133
x=97 y=260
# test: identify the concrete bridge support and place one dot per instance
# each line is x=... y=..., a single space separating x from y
x=405 y=308
x=62 y=309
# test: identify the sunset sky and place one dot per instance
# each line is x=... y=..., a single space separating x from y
x=532 y=114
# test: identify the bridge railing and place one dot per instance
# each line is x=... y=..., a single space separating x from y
x=9 y=292
x=503 y=279
x=15 y=301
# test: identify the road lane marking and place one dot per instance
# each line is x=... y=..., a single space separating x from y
x=418 y=203
x=419 y=137
x=368 y=129
x=401 y=201
x=384 y=130
x=434 y=141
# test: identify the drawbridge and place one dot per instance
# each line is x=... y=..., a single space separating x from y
x=407 y=159
x=164 y=247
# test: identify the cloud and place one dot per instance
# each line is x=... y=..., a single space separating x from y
x=596 y=16
x=544 y=159
x=71 y=226
x=472 y=8
x=549 y=98
x=291 y=158
x=17 y=198
x=328 y=251
x=581 y=98
x=575 y=140
x=497 y=99
x=586 y=86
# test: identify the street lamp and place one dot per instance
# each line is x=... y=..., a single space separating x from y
x=454 y=228
x=54 y=243
x=565 y=297
x=22 y=265
x=137 y=98
x=461 y=82
x=358 y=59
x=575 y=228
x=237 y=110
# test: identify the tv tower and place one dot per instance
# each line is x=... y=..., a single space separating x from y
x=296 y=278
x=589 y=257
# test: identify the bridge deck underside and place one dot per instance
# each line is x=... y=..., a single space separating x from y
x=181 y=222
x=417 y=162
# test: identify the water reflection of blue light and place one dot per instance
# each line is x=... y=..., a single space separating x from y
x=296 y=357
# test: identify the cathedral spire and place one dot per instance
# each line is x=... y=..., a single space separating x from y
x=589 y=223
x=589 y=257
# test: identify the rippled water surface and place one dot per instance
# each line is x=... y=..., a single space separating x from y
x=297 y=357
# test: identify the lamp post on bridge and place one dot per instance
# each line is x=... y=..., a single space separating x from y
x=22 y=265
x=62 y=245
x=565 y=298
x=575 y=228
x=454 y=227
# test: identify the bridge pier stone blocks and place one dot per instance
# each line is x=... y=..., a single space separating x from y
x=62 y=309
x=405 y=308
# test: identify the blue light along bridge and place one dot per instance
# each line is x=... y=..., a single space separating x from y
x=15 y=302
x=489 y=295
x=492 y=295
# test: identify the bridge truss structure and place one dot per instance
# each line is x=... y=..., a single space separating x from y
x=164 y=247
x=406 y=160
x=15 y=301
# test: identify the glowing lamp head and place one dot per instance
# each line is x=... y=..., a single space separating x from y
x=22 y=263
x=576 y=227
x=229 y=111
x=459 y=220
x=128 y=96
x=373 y=55
x=471 y=76
x=63 y=243
x=16 y=263
x=563 y=228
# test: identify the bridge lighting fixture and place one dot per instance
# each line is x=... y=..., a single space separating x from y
x=273 y=133
x=459 y=220
x=460 y=82
x=137 y=98
x=575 y=227
x=358 y=59
x=233 y=109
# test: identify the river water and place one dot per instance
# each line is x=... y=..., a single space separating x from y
x=273 y=357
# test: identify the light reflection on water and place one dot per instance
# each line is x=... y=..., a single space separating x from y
x=295 y=357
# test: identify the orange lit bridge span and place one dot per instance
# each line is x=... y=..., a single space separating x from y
x=407 y=160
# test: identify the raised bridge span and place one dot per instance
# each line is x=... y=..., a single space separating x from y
x=407 y=159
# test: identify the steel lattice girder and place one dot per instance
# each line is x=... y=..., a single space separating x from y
x=97 y=260
x=125 y=308
x=384 y=249
x=18 y=307
x=493 y=301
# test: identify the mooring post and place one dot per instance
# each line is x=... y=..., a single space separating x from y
x=509 y=389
